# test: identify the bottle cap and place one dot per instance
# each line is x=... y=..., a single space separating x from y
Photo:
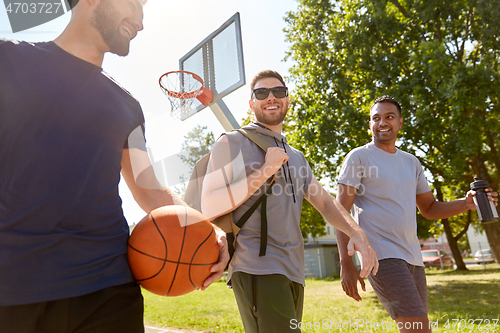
x=478 y=184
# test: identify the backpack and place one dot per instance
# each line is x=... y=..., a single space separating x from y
x=226 y=222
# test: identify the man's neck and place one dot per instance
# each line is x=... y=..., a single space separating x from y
x=274 y=128
x=80 y=45
x=389 y=147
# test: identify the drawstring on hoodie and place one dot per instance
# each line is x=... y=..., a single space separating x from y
x=283 y=166
x=288 y=167
x=262 y=201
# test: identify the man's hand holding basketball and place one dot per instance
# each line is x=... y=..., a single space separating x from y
x=218 y=268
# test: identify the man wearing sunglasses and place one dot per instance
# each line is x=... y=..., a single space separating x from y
x=268 y=278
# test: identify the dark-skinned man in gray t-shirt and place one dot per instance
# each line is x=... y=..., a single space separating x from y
x=382 y=186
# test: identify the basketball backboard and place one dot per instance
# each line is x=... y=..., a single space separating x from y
x=218 y=60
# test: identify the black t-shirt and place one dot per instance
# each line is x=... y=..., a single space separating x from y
x=63 y=126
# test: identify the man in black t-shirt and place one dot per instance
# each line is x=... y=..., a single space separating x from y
x=67 y=131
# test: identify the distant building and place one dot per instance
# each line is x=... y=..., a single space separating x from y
x=438 y=243
x=322 y=255
x=477 y=240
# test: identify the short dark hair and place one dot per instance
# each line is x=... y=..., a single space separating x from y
x=386 y=99
x=265 y=74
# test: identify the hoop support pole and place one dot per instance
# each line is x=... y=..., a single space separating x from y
x=225 y=116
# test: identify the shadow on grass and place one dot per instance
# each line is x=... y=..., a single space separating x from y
x=459 y=299
x=476 y=299
x=373 y=300
x=471 y=295
x=473 y=271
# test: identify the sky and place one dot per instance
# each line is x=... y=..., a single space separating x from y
x=171 y=29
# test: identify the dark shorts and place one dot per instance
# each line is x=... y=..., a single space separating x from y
x=401 y=288
x=113 y=309
x=268 y=303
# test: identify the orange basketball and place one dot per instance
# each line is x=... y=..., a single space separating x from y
x=171 y=250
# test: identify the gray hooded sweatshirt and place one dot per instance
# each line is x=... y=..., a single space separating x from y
x=285 y=245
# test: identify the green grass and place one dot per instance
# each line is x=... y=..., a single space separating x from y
x=470 y=295
x=212 y=310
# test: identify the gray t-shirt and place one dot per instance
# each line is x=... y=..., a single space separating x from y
x=285 y=245
x=385 y=203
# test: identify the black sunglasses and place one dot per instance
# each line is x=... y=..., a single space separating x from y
x=262 y=93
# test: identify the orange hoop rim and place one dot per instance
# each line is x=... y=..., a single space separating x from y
x=184 y=94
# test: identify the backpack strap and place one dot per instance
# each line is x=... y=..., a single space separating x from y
x=256 y=138
x=262 y=201
x=259 y=141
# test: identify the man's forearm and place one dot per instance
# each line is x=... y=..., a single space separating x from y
x=226 y=199
x=150 y=199
x=342 y=241
x=337 y=216
x=356 y=240
x=442 y=210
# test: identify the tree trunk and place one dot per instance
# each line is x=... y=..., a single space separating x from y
x=454 y=246
x=452 y=241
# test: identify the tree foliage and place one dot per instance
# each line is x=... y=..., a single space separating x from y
x=197 y=143
x=439 y=58
x=311 y=222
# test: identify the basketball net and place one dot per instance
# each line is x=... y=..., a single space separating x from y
x=181 y=89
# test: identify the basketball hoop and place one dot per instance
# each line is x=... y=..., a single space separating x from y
x=181 y=88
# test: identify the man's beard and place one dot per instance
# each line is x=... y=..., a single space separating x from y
x=271 y=120
x=105 y=21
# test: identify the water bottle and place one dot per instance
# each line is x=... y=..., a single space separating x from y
x=485 y=208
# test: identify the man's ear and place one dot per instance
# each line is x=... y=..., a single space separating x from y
x=92 y=2
x=84 y=3
x=251 y=104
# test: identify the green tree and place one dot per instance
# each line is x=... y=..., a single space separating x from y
x=197 y=143
x=311 y=221
x=439 y=58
